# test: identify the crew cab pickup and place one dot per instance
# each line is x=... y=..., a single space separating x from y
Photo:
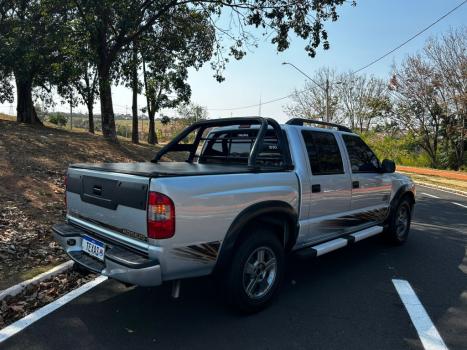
x=249 y=192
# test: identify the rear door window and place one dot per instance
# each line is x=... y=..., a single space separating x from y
x=362 y=158
x=323 y=153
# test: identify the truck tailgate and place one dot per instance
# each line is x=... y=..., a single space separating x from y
x=111 y=204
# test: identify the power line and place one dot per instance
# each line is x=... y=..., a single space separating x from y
x=251 y=106
x=358 y=70
x=411 y=38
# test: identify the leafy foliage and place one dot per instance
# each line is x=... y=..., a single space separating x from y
x=59 y=119
x=30 y=34
x=192 y=112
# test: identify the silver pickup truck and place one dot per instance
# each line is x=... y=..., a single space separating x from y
x=250 y=192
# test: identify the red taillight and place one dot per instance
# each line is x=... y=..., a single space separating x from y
x=161 y=216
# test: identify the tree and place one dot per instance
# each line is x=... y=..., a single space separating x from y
x=430 y=92
x=30 y=39
x=362 y=100
x=356 y=100
x=192 y=112
x=448 y=55
x=165 y=120
x=183 y=41
x=418 y=110
x=113 y=25
x=59 y=119
x=310 y=102
x=77 y=80
x=6 y=89
x=128 y=75
x=135 y=88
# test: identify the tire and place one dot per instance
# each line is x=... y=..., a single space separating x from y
x=398 y=229
x=256 y=272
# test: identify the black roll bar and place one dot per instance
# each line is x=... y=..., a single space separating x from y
x=201 y=126
x=301 y=121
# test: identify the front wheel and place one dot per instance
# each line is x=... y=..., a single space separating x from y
x=398 y=229
x=256 y=272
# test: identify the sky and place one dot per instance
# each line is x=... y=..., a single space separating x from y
x=360 y=35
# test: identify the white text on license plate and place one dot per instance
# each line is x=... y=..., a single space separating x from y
x=93 y=247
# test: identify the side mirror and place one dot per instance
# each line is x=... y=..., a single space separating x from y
x=388 y=166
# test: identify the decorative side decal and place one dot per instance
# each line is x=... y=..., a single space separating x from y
x=378 y=215
x=204 y=252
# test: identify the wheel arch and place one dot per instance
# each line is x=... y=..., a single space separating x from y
x=405 y=191
x=277 y=214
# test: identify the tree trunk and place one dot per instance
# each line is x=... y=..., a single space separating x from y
x=91 y=117
x=107 y=111
x=152 y=137
x=25 y=112
x=134 y=128
x=134 y=105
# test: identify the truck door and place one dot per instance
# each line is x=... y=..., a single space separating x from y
x=371 y=189
x=330 y=192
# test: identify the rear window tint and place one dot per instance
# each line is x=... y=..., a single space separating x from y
x=323 y=153
x=234 y=147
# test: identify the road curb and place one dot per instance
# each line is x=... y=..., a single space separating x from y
x=18 y=288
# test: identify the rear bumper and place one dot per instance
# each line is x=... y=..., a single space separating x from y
x=120 y=263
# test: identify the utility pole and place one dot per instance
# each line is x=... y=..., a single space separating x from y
x=71 y=111
x=325 y=88
x=259 y=112
x=327 y=99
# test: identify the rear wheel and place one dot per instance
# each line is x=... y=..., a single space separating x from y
x=256 y=272
x=399 y=224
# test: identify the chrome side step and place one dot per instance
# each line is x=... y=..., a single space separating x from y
x=337 y=243
x=329 y=246
x=371 y=231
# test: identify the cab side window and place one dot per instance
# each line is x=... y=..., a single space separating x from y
x=362 y=158
x=323 y=153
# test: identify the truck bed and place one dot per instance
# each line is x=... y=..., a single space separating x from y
x=165 y=169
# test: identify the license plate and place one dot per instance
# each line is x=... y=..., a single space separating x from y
x=93 y=247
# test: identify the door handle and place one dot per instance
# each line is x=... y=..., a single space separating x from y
x=97 y=190
x=316 y=188
x=355 y=184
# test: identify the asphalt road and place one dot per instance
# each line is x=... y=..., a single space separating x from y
x=343 y=300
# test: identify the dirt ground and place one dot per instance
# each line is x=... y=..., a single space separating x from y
x=446 y=174
x=33 y=161
x=35 y=296
x=437 y=181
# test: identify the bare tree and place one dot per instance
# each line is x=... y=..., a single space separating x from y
x=362 y=100
x=417 y=93
x=430 y=89
x=310 y=102
x=449 y=59
x=356 y=100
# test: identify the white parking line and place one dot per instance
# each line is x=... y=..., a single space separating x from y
x=426 y=330
x=430 y=195
x=26 y=321
x=460 y=205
